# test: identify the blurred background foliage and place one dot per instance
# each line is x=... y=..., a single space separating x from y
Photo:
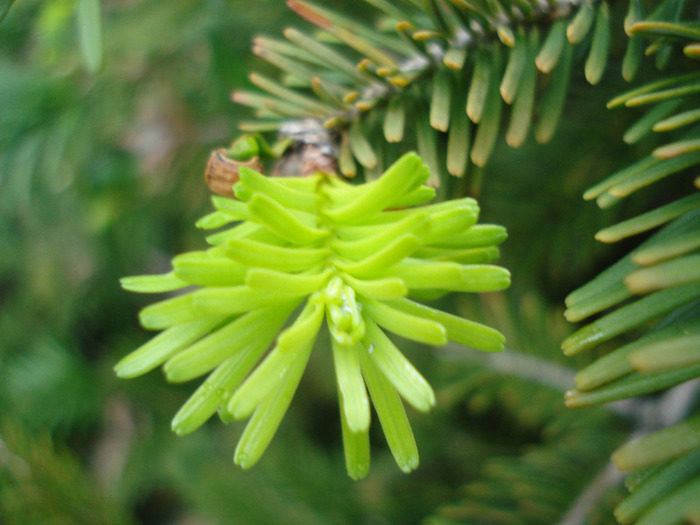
x=101 y=177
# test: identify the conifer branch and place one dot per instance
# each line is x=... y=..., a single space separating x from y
x=368 y=79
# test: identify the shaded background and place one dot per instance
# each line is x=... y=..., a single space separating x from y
x=101 y=177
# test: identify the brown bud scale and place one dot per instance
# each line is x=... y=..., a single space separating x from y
x=222 y=171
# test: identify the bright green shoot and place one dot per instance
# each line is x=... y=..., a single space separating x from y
x=332 y=251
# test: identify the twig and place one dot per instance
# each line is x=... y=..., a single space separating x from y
x=516 y=363
x=598 y=488
x=669 y=409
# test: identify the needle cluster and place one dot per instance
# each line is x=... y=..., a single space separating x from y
x=304 y=249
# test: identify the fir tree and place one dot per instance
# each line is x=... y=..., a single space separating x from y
x=94 y=94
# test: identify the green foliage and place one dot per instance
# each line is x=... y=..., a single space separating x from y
x=656 y=281
x=41 y=485
x=423 y=69
x=51 y=388
x=5 y=8
x=102 y=128
x=539 y=485
x=344 y=251
x=90 y=23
